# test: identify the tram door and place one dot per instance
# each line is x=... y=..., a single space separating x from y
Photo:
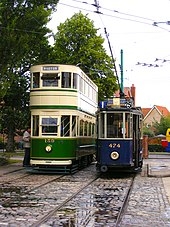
x=136 y=139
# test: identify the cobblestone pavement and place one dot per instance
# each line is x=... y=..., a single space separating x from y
x=149 y=202
x=148 y=205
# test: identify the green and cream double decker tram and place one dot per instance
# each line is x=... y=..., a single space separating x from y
x=63 y=103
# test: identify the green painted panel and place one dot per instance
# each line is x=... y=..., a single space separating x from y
x=60 y=148
x=53 y=107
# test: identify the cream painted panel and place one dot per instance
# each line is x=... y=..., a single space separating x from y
x=53 y=100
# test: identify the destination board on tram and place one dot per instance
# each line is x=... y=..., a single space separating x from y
x=50 y=68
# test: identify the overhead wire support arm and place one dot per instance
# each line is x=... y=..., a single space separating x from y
x=121 y=92
x=96 y=4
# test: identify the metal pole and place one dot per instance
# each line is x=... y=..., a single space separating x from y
x=121 y=70
x=121 y=91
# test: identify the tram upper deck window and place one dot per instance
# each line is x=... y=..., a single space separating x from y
x=36 y=80
x=66 y=80
x=49 y=126
x=75 y=79
x=114 y=125
x=81 y=85
x=50 y=80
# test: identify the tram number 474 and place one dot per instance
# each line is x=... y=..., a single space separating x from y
x=113 y=145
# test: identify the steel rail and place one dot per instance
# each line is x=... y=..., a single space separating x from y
x=52 y=212
x=125 y=202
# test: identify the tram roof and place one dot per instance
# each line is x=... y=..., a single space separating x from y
x=136 y=110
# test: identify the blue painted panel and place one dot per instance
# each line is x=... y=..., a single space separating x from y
x=123 y=147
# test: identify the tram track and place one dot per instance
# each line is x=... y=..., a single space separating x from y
x=124 y=205
x=7 y=180
x=83 y=199
x=51 y=213
x=69 y=205
x=15 y=188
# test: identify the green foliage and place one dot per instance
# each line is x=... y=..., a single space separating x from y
x=156 y=148
x=161 y=128
x=23 y=38
x=3 y=160
x=148 y=131
x=24 y=41
x=77 y=42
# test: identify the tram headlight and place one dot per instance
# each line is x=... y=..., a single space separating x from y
x=48 y=148
x=114 y=155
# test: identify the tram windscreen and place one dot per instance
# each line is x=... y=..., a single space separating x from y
x=50 y=79
x=114 y=125
x=49 y=126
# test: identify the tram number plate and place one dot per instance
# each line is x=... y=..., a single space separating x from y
x=49 y=140
x=113 y=145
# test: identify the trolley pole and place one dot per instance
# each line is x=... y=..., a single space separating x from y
x=121 y=71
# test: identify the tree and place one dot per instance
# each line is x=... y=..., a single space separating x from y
x=148 y=131
x=21 y=28
x=77 y=43
x=24 y=41
x=162 y=126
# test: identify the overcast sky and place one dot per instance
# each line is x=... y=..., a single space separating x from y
x=142 y=29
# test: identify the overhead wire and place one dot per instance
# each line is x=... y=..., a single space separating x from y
x=116 y=11
x=155 y=24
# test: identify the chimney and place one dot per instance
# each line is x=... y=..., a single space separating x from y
x=133 y=92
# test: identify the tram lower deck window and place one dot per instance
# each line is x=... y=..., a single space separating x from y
x=49 y=126
x=65 y=125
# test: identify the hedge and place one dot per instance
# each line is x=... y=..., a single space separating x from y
x=156 y=148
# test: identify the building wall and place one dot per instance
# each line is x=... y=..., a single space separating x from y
x=153 y=116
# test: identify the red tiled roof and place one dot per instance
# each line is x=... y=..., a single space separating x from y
x=164 y=111
x=145 y=111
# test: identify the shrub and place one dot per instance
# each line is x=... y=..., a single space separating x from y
x=4 y=159
x=156 y=148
